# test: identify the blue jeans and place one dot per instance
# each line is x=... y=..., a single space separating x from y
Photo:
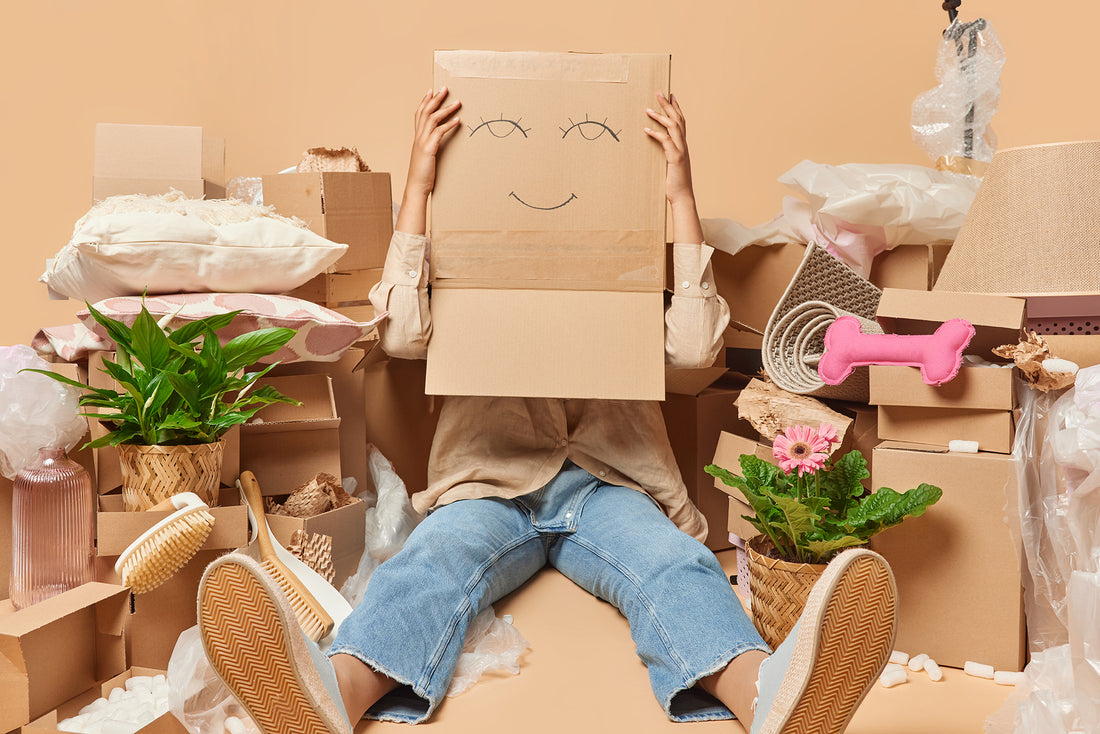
x=612 y=541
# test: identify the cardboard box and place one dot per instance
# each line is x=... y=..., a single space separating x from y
x=548 y=228
x=727 y=454
x=54 y=650
x=979 y=388
x=164 y=724
x=1083 y=350
x=291 y=444
x=997 y=320
x=108 y=471
x=546 y=343
x=354 y=209
x=151 y=159
x=116 y=529
x=399 y=418
x=912 y=267
x=736 y=522
x=336 y=289
x=697 y=410
x=754 y=280
x=992 y=429
x=158 y=617
x=957 y=566
x=346 y=526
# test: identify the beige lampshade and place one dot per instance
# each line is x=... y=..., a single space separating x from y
x=1034 y=226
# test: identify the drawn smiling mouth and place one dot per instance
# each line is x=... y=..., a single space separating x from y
x=543 y=208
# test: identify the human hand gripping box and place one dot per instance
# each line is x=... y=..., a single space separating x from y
x=548 y=228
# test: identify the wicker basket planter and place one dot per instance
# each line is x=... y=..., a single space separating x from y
x=779 y=590
x=151 y=474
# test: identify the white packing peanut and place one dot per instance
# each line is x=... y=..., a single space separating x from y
x=891 y=678
x=916 y=663
x=963 y=447
x=1008 y=678
x=899 y=657
x=233 y=725
x=892 y=666
x=978 y=670
x=933 y=670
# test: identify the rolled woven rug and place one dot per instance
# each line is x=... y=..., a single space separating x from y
x=822 y=290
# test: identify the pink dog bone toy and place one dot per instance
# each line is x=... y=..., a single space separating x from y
x=938 y=355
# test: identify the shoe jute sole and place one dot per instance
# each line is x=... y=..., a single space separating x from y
x=845 y=636
x=253 y=642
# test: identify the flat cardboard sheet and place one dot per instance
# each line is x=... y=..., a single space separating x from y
x=957 y=566
x=551 y=182
x=547 y=343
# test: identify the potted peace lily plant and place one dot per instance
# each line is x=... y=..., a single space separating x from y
x=180 y=391
x=808 y=508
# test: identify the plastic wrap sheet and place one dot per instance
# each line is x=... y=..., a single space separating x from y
x=1058 y=463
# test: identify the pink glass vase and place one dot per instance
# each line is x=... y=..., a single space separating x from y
x=53 y=528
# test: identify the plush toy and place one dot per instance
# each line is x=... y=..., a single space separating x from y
x=938 y=355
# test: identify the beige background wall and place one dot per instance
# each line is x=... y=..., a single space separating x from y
x=764 y=84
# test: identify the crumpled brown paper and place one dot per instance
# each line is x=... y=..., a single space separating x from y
x=320 y=494
x=332 y=159
x=1029 y=356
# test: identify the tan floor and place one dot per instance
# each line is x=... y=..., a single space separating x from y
x=582 y=675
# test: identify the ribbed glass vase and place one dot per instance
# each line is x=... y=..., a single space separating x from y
x=53 y=529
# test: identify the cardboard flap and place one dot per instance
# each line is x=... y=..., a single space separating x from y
x=692 y=382
x=997 y=320
x=45 y=613
x=314 y=392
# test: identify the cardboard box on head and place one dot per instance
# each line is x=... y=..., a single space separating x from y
x=548 y=228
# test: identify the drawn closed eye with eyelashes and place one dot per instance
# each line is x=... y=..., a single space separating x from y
x=500 y=127
x=595 y=129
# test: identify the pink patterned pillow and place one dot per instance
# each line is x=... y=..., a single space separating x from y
x=323 y=335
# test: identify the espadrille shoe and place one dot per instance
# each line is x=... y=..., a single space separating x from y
x=256 y=646
x=816 y=679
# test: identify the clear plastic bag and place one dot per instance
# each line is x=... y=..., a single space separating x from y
x=1058 y=466
x=492 y=645
x=952 y=119
x=35 y=411
x=197 y=696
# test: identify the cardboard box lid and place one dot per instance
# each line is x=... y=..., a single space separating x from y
x=552 y=159
x=547 y=343
x=997 y=320
x=986 y=388
x=317 y=411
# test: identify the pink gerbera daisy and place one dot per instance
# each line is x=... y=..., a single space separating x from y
x=827 y=431
x=801 y=447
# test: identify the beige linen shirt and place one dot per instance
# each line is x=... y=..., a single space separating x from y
x=506 y=447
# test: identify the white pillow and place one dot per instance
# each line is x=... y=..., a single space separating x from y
x=127 y=245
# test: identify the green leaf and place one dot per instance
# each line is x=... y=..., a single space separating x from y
x=248 y=348
x=119 y=332
x=822 y=550
x=186 y=387
x=150 y=345
x=799 y=516
x=757 y=472
x=193 y=329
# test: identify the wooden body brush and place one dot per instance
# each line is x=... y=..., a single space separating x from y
x=315 y=621
x=166 y=547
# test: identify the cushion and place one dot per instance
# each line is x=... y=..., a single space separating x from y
x=128 y=245
x=323 y=335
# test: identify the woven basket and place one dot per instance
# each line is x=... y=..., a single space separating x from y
x=778 y=590
x=151 y=474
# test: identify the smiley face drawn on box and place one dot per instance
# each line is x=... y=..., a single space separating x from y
x=551 y=160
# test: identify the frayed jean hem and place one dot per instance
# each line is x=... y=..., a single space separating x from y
x=397 y=705
x=690 y=703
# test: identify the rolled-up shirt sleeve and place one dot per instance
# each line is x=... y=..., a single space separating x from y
x=403 y=292
x=697 y=315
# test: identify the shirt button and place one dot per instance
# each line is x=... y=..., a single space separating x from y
x=686 y=284
x=564 y=442
x=705 y=286
x=603 y=473
x=412 y=273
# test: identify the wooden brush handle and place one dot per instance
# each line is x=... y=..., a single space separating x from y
x=255 y=500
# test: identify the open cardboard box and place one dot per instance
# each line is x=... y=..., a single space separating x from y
x=58 y=648
x=976 y=388
x=164 y=724
x=151 y=159
x=994 y=430
x=697 y=410
x=913 y=267
x=290 y=444
x=548 y=229
x=957 y=566
x=997 y=320
x=354 y=209
x=116 y=529
x=345 y=525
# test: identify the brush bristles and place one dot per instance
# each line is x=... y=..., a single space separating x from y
x=168 y=550
x=312 y=625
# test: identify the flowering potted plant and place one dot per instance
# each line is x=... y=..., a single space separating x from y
x=808 y=509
